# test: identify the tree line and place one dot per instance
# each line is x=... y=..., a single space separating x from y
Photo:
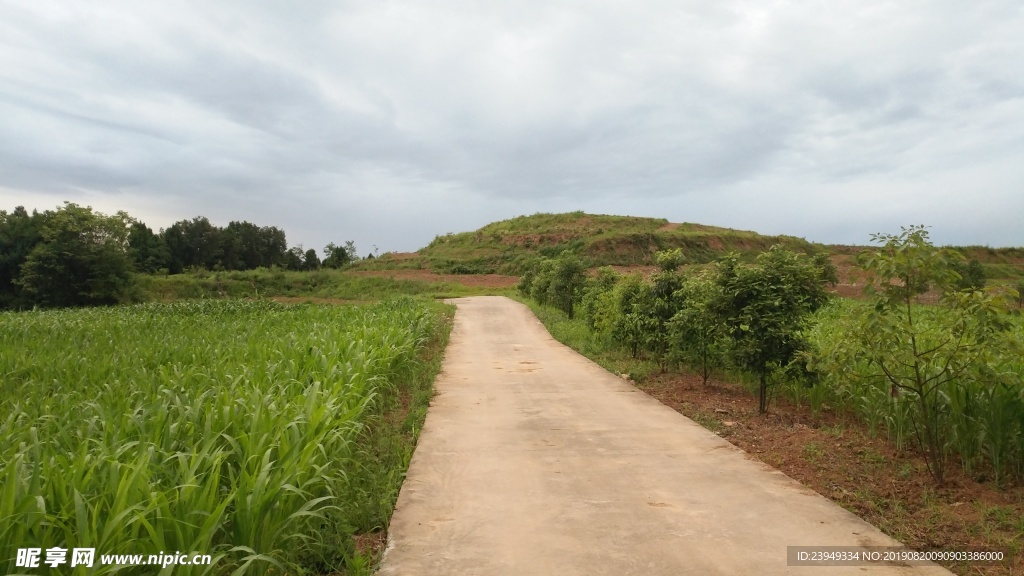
x=74 y=256
x=946 y=375
x=750 y=315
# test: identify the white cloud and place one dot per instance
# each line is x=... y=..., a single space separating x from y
x=826 y=119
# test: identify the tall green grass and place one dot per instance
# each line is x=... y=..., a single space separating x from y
x=981 y=416
x=263 y=283
x=222 y=427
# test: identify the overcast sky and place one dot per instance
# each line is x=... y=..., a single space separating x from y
x=390 y=122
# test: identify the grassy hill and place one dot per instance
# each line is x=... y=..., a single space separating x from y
x=507 y=247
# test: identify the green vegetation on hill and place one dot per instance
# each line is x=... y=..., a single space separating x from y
x=510 y=246
x=513 y=246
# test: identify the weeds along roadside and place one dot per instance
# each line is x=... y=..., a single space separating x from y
x=266 y=435
x=386 y=448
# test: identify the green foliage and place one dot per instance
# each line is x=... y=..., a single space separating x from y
x=148 y=250
x=697 y=328
x=247 y=246
x=243 y=429
x=555 y=250
x=198 y=243
x=298 y=259
x=829 y=274
x=631 y=324
x=972 y=275
x=669 y=260
x=930 y=359
x=661 y=305
x=559 y=282
x=525 y=286
x=633 y=312
x=82 y=259
x=567 y=282
x=194 y=243
x=576 y=334
x=19 y=234
x=542 y=276
x=878 y=358
x=262 y=283
x=757 y=313
x=766 y=307
x=337 y=256
x=293 y=258
x=310 y=261
x=85 y=257
x=510 y=246
x=597 y=303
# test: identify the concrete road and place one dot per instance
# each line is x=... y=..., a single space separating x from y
x=534 y=460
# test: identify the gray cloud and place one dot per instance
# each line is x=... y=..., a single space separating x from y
x=387 y=121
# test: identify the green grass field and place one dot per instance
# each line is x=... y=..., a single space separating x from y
x=265 y=283
x=263 y=434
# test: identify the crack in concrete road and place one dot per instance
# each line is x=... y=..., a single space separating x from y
x=534 y=460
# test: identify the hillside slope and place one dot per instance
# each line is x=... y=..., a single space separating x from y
x=508 y=246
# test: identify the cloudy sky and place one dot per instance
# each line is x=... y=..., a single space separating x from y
x=390 y=122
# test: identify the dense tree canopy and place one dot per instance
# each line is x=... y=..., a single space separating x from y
x=765 y=308
x=82 y=258
x=75 y=256
x=19 y=234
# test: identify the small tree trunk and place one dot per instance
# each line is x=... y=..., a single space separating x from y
x=932 y=442
x=705 y=372
x=763 y=393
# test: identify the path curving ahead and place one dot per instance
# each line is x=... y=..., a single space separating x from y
x=534 y=460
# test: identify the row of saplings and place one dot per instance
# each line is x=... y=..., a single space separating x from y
x=945 y=376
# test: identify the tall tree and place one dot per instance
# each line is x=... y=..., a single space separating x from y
x=83 y=259
x=766 y=307
x=148 y=250
x=20 y=232
x=567 y=282
x=293 y=259
x=273 y=246
x=924 y=354
x=972 y=275
x=310 y=260
x=194 y=243
x=697 y=327
x=335 y=256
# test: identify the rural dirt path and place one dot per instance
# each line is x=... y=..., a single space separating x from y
x=534 y=460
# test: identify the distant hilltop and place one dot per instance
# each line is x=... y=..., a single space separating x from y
x=630 y=242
